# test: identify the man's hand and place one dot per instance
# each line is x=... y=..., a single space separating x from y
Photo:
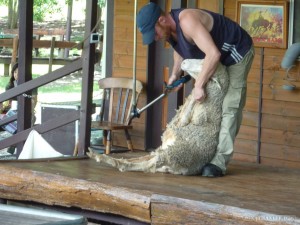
x=172 y=79
x=199 y=94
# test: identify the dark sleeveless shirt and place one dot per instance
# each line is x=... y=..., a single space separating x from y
x=232 y=40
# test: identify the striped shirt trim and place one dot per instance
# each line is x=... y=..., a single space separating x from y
x=233 y=52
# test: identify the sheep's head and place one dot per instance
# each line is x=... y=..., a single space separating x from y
x=192 y=66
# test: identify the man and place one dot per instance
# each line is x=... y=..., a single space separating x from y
x=201 y=34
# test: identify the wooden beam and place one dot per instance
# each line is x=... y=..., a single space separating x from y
x=25 y=185
x=88 y=79
x=25 y=65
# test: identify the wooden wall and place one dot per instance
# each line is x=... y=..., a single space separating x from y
x=212 y=5
x=123 y=44
x=275 y=139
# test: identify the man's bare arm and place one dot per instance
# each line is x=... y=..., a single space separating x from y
x=176 y=70
x=195 y=27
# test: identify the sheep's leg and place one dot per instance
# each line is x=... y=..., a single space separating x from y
x=168 y=169
x=186 y=115
x=103 y=158
x=183 y=115
x=140 y=159
x=144 y=163
x=148 y=165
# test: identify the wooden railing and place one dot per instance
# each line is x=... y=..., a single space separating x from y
x=33 y=84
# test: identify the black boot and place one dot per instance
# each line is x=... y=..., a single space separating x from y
x=211 y=170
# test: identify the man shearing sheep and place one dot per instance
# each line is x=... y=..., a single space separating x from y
x=201 y=34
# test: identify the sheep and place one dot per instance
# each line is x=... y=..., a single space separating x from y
x=190 y=139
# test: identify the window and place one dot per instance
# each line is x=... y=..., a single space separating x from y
x=294 y=33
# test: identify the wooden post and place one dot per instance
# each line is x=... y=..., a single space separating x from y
x=88 y=79
x=15 y=50
x=25 y=64
x=51 y=54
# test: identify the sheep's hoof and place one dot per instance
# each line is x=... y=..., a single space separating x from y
x=91 y=154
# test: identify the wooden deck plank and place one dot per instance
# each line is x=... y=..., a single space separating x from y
x=184 y=211
x=246 y=186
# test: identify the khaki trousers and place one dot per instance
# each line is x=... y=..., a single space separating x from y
x=232 y=108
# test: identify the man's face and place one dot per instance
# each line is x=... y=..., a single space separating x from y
x=162 y=32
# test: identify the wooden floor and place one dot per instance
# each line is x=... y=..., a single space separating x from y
x=250 y=193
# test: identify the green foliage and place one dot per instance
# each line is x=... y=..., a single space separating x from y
x=3 y=83
x=101 y=3
x=3 y=2
x=42 y=7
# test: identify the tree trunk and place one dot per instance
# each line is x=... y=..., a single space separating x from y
x=13 y=14
x=14 y=22
x=69 y=26
x=10 y=12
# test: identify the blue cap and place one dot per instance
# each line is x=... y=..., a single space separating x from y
x=146 y=20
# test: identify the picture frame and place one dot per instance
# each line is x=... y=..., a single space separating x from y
x=265 y=21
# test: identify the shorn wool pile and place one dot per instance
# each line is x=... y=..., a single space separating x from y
x=190 y=139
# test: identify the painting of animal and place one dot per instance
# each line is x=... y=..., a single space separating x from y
x=260 y=26
x=190 y=139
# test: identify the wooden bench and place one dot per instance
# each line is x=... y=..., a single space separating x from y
x=37 y=33
x=40 y=32
x=52 y=44
x=6 y=60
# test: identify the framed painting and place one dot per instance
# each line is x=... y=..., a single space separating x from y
x=265 y=21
